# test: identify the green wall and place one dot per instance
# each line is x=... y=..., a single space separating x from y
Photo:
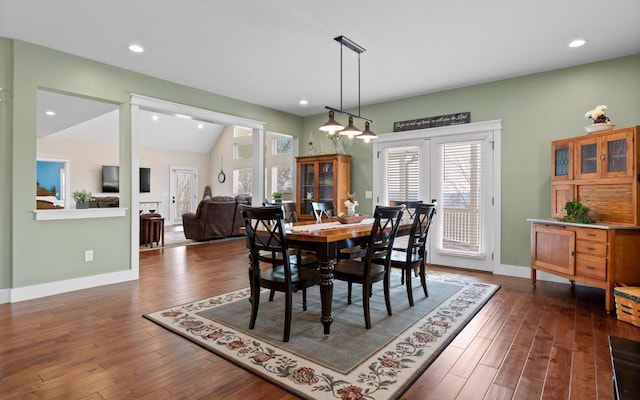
x=5 y=162
x=48 y=251
x=534 y=110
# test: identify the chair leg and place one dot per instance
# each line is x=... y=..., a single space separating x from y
x=409 y=288
x=387 y=291
x=255 y=303
x=271 y=294
x=287 y=315
x=304 y=299
x=402 y=277
x=366 y=289
x=349 y=286
x=423 y=279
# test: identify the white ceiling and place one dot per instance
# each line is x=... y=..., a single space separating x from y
x=276 y=52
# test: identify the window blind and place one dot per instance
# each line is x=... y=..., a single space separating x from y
x=401 y=174
x=462 y=197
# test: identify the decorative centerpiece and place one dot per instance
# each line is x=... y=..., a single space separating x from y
x=577 y=212
x=82 y=198
x=600 y=120
x=351 y=216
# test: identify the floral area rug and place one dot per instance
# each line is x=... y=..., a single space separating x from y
x=352 y=362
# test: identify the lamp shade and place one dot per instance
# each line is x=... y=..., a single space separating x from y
x=331 y=126
x=350 y=130
x=367 y=135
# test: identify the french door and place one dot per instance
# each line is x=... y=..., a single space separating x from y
x=183 y=192
x=457 y=170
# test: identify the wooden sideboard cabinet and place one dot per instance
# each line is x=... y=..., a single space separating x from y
x=325 y=177
x=598 y=255
x=601 y=171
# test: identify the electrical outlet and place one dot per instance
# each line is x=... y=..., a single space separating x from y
x=88 y=255
x=368 y=194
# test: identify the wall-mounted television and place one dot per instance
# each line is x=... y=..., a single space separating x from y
x=110 y=179
x=145 y=180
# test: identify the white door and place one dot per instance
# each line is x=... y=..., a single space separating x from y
x=183 y=192
x=462 y=232
x=458 y=171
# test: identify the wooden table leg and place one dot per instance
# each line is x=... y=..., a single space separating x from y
x=326 y=284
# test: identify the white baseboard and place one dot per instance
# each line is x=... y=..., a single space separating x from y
x=52 y=288
x=525 y=272
x=70 y=285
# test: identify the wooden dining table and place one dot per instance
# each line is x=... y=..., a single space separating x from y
x=326 y=239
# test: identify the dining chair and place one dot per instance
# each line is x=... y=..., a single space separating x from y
x=410 y=206
x=402 y=241
x=267 y=240
x=299 y=257
x=365 y=271
x=289 y=208
x=326 y=210
x=323 y=209
x=414 y=255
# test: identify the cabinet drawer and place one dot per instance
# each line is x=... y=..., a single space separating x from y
x=596 y=235
x=593 y=248
x=591 y=266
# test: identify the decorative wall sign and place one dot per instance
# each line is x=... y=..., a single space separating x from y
x=432 y=122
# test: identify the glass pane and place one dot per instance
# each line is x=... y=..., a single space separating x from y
x=242 y=182
x=306 y=194
x=462 y=197
x=401 y=175
x=184 y=192
x=589 y=161
x=562 y=162
x=617 y=150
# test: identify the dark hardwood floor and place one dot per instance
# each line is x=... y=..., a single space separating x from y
x=526 y=343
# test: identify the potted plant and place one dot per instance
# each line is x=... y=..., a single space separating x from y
x=577 y=212
x=82 y=198
x=277 y=197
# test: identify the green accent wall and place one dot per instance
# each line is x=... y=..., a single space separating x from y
x=534 y=110
x=48 y=251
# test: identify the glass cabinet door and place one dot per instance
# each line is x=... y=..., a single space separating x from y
x=306 y=191
x=325 y=181
x=562 y=163
x=588 y=159
x=616 y=150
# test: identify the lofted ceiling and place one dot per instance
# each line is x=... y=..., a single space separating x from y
x=90 y=120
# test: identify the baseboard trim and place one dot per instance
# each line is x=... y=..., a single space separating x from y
x=525 y=272
x=69 y=285
x=53 y=288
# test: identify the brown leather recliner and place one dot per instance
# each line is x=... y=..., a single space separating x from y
x=238 y=224
x=213 y=219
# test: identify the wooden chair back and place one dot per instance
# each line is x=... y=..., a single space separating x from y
x=323 y=209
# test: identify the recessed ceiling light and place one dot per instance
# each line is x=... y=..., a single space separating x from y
x=52 y=113
x=200 y=126
x=136 y=48
x=303 y=102
x=155 y=118
x=577 y=43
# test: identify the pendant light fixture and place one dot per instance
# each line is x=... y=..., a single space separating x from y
x=334 y=129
